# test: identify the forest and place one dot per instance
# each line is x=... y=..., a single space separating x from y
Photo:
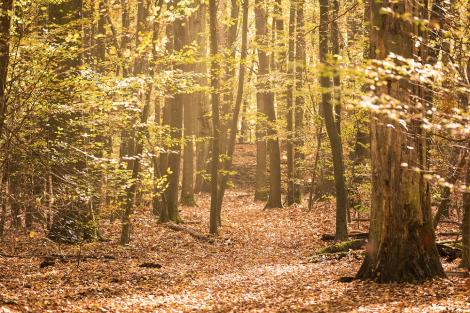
x=234 y=156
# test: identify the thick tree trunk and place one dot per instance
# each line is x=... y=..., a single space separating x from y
x=332 y=130
x=401 y=243
x=215 y=67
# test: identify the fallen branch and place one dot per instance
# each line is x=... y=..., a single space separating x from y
x=344 y=246
x=61 y=257
x=354 y=235
x=192 y=232
x=449 y=250
x=452 y=233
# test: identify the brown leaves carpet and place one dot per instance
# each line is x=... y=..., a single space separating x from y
x=259 y=263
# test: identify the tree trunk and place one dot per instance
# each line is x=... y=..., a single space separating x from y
x=161 y=206
x=290 y=106
x=236 y=109
x=266 y=98
x=215 y=67
x=402 y=242
x=5 y=23
x=187 y=191
x=336 y=55
x=229 y=76
x=261 y=192
x=332 y=130
x=179 y=33
x=201 y=103
x=300 y=65
x=137 y=140
x=466 y=220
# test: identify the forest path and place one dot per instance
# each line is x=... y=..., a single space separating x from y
x=258 y=263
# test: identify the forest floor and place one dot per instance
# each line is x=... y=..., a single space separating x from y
x=258 y=263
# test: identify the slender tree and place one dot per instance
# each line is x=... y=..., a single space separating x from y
x=466 y=220
x=333 y=135
x=266 y=99
x=176 y=124
x=215 y=68
x=335 y=40
x=5 y=23
x=290 y=105
x=236 y=110
x=300 y=66
x=261 y=192
x=137 y=140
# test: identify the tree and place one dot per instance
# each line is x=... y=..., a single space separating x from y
x=201 y=100
x=187 y=191
x=176 y=124
x=136 y=141
x=215 y=100
x=466 y=220
x=332 y=130
x=290 y=105
x=236 y=109
x=300 y=66
x=5 y=23
x=335 y=39
x=261 y=148
x=265 y=98
x=401 y=241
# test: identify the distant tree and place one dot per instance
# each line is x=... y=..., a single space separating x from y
x=300 y=67
x=176 y=124
x=466 y=220
x=215 y=99
x=265 y=98
x=331 y=128
x=290 y=104
x=227 y=165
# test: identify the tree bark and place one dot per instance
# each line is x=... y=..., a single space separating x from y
x=290 y=105
x=179 y=33
x=402 y=242
x=236 y=110
x=137 y=140
x=336 y=55
x=261 y=192
x=266 y=98
x=5 y=22
x=215 y=68
x=187 y=191
x=332 y=130
x=202 y=104
x=466 y=220
x=300 y=65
